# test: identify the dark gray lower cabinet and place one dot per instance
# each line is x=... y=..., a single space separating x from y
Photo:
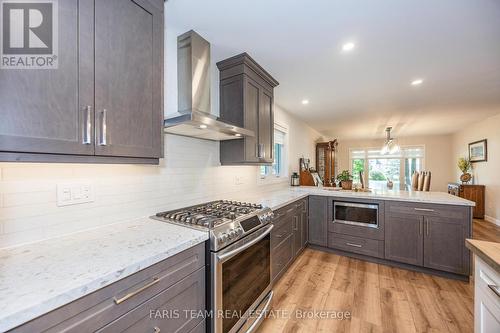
x=404 y=239
x=169 y=311
x=136 y=303
x=444 y=245
x=318 y=220
x=289 y=236
x=430 y=236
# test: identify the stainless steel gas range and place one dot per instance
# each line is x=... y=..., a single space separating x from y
x=240 y=260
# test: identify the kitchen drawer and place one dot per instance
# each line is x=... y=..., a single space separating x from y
x=200 y=328
x=281 y=231
x=281 y=258
x=99 y=308
x=460 y=213
x=283 y=211
x=369 y=247
x=174 y=310
x=486 y=299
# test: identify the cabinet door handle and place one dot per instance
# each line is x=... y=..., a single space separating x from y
x=424 y=209
x=263 y=150
x=87 y=125
x=355 y=245
x=495 y=289
x=421 y=226
x=102 y=135
x=427 y=227
x=133 y=293
x=295 y=223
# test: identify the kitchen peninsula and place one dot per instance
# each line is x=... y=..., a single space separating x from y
x=423 y=231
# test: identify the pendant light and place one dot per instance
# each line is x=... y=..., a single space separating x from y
x=390 y=146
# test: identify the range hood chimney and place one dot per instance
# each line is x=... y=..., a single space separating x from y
x=193 y=79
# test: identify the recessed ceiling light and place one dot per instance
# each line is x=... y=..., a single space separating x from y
x=305 y=101
x=202 y=126
x=348 y=47
x=417 y=82
x=237 y=135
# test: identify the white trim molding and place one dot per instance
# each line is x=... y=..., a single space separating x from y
x=492 y=220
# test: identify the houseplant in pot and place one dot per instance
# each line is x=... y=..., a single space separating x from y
x=345 y=179
x=464 y=164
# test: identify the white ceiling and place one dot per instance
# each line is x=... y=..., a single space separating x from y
x=454 y=45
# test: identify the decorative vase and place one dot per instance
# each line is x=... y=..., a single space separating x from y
x=346 y=185
x=465 y=177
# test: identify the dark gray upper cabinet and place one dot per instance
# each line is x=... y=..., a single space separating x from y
x=318 y=220
x=104 y=101
x=51 y=110
x=128 y=69
x=246 y=100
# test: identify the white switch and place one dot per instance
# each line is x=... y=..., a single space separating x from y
x=74 y=193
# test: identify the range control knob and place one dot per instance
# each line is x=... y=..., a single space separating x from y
x=232 y=233
x=223 y=238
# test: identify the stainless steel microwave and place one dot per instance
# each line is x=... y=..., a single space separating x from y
x=353 y=213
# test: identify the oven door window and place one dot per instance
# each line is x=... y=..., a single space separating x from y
x=244 y=278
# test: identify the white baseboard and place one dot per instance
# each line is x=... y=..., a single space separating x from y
x=492 y=220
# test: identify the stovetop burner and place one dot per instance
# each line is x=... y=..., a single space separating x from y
x=227 y=221
x=211 y=214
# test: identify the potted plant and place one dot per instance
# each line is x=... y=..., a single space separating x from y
x=345 y=179
x=464 y=164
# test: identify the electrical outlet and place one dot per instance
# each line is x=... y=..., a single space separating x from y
x=238 y=180
x=74 y=194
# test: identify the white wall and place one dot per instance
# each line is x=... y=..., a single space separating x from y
x=301 y=138
x=485 y=173
x=438 y=156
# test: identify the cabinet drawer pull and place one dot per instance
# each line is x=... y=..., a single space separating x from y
x=156 y=329
x=495 y=289
x=355 y=245
x=424 y=210
x=132 y=294
x=87 y=125
x=279 y=236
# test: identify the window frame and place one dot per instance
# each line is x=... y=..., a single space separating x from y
x=402 y=164
x=269 y=177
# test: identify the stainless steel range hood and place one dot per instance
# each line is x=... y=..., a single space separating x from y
x=193 y=79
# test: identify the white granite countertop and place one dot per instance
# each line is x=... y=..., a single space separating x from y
x=280 y=198
x=39 y=277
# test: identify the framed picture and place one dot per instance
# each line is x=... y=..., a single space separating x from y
x=478 y=151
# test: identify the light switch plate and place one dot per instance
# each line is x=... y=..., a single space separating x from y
x=74 y=194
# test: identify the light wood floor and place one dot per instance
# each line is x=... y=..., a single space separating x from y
x=379 y=298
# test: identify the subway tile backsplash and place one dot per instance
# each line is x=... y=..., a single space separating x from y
x=189 y=174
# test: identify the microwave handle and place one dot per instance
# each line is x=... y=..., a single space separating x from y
x=228 y=255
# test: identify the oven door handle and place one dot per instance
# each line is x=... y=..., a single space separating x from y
x=228 y=255
x=262 y=314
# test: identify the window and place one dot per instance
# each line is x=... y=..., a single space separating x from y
x=380 y=169
x=278 y=168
